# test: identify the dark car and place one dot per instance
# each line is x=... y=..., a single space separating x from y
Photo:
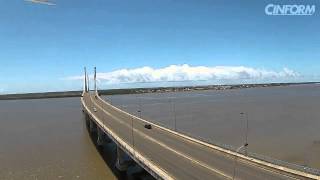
x=148 y=126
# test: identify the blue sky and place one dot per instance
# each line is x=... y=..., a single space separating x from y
x=43 y=46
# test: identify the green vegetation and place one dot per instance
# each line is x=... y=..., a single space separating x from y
x=142 y=90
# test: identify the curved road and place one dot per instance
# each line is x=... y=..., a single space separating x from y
x=179 y=157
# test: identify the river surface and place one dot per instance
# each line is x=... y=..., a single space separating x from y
x=283 y=122
x=47 y=138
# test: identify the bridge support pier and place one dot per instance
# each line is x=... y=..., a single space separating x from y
x=87 y=119
x=92 y=126
x=102 y=138
x=123 y=160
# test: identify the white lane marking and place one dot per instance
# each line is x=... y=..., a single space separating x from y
x=137 y=155
x=200 y=163
x=269 y=170
x=249 y=159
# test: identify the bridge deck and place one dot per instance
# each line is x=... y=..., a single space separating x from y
x=178 y=157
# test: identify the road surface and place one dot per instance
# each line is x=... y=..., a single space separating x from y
x=179 y=157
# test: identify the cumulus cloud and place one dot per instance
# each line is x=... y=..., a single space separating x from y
x=186 y=72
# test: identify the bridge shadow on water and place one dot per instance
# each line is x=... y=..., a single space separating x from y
x=108 y=153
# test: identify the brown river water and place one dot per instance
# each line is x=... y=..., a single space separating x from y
x=283 y=122
x=47 y=138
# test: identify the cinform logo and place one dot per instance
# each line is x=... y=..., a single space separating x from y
x=294 y=9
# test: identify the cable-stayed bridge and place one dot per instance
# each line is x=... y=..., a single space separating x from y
x=167 y=154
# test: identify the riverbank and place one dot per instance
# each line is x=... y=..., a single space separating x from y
x=283 y=121
x=64 y=94
x=44 y=95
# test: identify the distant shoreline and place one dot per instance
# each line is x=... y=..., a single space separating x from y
x=64 y=94
x=44 y=95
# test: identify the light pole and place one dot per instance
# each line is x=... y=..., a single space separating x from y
x=247 y=129
x=132 y=132
x=235 y=160
x=139 y=106
x=174 y=115
x=245 y=145
x=172 y=104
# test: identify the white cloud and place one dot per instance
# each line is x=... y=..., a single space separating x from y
x=189 y=73
x=46 y=2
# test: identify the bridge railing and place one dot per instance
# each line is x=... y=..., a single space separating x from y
x=144 y=162
x=250 y=154
x=265 y=158
x=261 y=157
x=305 y=169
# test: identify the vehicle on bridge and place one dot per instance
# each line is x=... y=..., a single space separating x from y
x=168 y=154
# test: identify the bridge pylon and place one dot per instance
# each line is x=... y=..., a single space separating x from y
x=88 y=84
x=85 y=87
x=95 y=80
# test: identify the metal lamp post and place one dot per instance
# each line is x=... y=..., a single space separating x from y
x=245 y=145
x=235 y=160
x=247 y=129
